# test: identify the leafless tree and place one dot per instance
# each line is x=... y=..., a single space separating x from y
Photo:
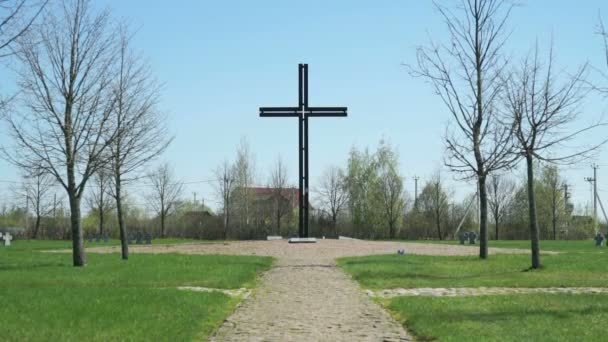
x=16 y=18
x=141 y=130
x=544 y=110
x=166 y=192
x=65 y=126
x=225 y=189
x=99 y=198
x=333 y=193
x=36 y=190
x=500 y=194
x=466 y=73
x=281 y=198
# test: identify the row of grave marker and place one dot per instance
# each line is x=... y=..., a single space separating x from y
x=139 y=238
x=470 y=236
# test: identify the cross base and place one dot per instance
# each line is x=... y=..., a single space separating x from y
x=303 y=240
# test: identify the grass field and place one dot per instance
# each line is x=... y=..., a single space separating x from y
x=522 y=317
x=538 y=317
x=44 y=298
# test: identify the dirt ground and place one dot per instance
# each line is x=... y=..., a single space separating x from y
x=327 y=250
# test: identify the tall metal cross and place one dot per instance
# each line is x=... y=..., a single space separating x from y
x=303 y=112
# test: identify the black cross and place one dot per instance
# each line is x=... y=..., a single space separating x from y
x=303 y=111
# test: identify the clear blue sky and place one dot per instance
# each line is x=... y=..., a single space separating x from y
x=221 y=60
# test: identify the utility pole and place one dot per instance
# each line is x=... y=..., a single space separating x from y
x=416 y=178
x=594 y=181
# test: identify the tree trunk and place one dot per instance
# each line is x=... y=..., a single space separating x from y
x=554 y=219
x=101 y=215
x=534 y=233
x=37 y=227
x=226 y=219
x=101 y=212
x=162 y=223
x=483 y=217
x=496 y=224
x=78 y=255
x=278 y=217
x=334 y=222
x=439 y=228
x=124 y=243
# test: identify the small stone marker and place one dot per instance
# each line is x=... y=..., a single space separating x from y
x=472 y=238
x=463 y=237
x=7 y=239
x=148 y=238
x=105 y=237
x=598 y=239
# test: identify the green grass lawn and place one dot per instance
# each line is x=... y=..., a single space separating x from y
x=529 y=317
x=523 y=317
x=579 y=263
x=583 y=246
x=65 y=244
x=44 y=298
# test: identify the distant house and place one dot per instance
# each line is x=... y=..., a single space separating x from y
x=291 y=196
x=268 y=213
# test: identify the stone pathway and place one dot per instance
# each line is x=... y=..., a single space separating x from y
x=482 y=291
x=309 y=299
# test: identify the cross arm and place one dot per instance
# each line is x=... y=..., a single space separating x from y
x=279 y=111
x=327 y=111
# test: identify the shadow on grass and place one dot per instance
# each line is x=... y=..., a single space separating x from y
x=21 y=267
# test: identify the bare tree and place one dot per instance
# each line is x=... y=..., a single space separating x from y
x=166 y=192
x=543 y=110
x=465 y=73
x=36 y=190
x=333 y=193
x=65 y=126
x=141 y=130
x=225 y=190
x=16 y=18
x=281 y=198
x=500 y=194
x=99 y=198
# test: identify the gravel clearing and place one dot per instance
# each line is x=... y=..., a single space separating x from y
x=323 y=249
